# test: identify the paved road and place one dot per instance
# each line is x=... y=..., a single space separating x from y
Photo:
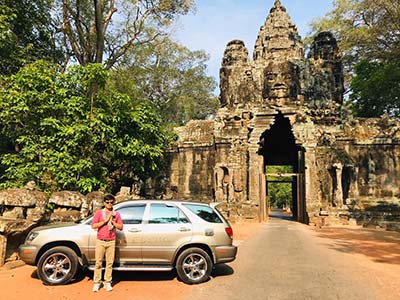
x=288 y=260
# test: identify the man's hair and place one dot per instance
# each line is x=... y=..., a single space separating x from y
x=108 y=197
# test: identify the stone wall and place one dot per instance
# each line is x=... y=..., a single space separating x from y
x=23 y=209
x=282 y=108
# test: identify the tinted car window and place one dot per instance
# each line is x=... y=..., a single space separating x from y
x=166 y=214
x=132 y=214
x=204 y=212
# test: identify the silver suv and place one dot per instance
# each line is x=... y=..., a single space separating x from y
x=157 y=236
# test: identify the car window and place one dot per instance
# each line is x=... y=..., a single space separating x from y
x=204 y=212
x=166 y=214
x=132 y=214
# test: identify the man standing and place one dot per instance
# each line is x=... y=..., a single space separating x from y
x=106 y=221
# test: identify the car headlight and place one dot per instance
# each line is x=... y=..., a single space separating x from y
x=31 y=236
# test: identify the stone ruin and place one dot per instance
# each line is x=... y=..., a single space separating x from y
x=279 y=108
x=23 y=209
x=286 y=108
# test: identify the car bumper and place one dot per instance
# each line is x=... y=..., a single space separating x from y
x=224 y=254
x=28 y=253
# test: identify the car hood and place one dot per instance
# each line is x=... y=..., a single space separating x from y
x=55 y=225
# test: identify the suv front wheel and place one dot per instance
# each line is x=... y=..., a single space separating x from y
x=57 y=265
x=194 y=266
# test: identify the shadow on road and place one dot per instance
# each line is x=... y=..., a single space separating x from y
x=276 y=213
x=143 y=276
x=378 y=245
x=222 y=270
x=219 y=270
x=80 y=275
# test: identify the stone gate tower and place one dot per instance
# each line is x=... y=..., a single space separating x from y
x=282 y=108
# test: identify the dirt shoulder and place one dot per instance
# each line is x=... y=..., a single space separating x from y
x=375 y=249
x=21 y=282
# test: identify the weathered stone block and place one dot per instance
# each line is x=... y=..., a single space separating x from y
x=3 y=249
x=65 y=215
x=14 y=213
x=22 y=197
x=67 y=199
x=95 y=201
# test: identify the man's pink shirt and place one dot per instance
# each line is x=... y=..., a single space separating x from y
x=103 y=233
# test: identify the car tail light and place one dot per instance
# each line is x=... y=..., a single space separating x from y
x=229 y=231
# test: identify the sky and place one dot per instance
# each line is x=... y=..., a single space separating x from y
x=216 y=22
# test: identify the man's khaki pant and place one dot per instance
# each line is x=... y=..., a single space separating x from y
x=107 y=249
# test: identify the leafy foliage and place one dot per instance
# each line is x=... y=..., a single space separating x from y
x=78 y=128
x=171 y=78
x=279 y=188
x=376 y=89
x=63 y=139
x=26 y=34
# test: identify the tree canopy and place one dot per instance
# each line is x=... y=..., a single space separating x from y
x=89 y=91
x=102 y=31
x=44 y=117
x=171 y=78
x=376 y=88
x=26 y=34
x=279 y=189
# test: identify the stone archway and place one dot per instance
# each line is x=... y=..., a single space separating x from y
x=278 y=148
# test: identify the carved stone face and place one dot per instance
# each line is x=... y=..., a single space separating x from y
x=325 y=46
x=235 y=53
x=280 y=80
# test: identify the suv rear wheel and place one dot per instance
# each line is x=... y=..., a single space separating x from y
x=57 y=265
x=194 y=266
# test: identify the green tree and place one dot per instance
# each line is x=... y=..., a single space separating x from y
x=102 y=31
x=376 y=89
x=56 y=138
x=279 y=188
x=26 y=34
x=171 y=78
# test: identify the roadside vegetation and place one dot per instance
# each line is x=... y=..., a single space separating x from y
x=90 y=90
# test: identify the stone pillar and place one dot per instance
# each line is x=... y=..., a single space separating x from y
x=254 y=180
x=313 y=195
x=3 y=248
x=339 y=190
x=262 y=184
x=187 y=154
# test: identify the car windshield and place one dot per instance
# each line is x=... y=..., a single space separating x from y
x=87 y=220
x=205 y=212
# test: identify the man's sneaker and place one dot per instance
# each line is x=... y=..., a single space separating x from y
x=108 y=287
x=96 y=287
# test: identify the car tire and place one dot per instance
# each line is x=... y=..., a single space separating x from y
x=57 y=265
x=194 y=266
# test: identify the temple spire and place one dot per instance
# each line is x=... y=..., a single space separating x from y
x=277 y=6
x=278 y=38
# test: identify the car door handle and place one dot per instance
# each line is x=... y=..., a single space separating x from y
x=183 y=229
x=135 y=230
